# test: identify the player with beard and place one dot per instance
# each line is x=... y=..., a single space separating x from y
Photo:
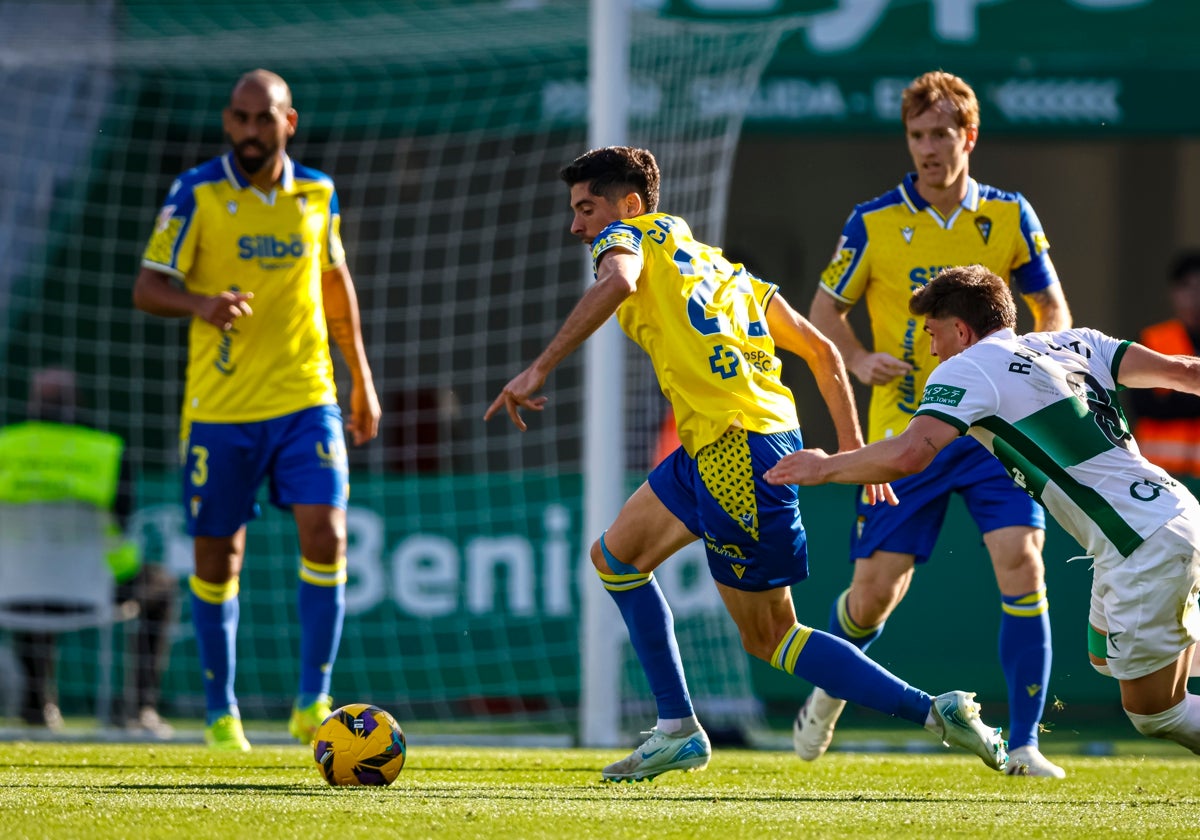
x=248 y=246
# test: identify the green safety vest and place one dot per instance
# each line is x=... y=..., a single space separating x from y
x=55 y=462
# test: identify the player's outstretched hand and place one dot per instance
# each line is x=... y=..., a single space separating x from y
x=517 y=394
x=876 y=493
x=800 y=467
x=880 y=368
x=221 y=310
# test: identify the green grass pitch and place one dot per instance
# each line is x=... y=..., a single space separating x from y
x=73 y=790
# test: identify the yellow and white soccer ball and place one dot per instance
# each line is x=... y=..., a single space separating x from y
x=359 y=744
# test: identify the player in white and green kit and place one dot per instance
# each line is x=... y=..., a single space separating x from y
x=1045 y=405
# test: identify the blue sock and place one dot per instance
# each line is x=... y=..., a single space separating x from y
x=844 y=627
x=1025 y=655
x=652 y=633
x=321 y=605
x=215 y=620
x=844 y=671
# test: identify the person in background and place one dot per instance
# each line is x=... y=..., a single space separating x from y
x=1168 y=422
x=938 y=216
x=55 y=456
x=260 y=401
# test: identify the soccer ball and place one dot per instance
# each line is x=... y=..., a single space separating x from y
x=359 y=744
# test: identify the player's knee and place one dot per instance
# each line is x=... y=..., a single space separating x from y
x=870 y=602
x=760 y=645
x=598 y=561
x=324 y=543
x=1162 y=724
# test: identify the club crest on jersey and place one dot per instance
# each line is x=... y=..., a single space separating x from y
x=984 y=225
x=907 y=233
x=232 y=207
x=302 y=203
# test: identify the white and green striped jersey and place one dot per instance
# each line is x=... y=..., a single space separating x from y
x=1045 y=404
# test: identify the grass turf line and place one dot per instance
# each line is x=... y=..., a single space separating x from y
x=150 y=791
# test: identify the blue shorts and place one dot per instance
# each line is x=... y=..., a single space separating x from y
x=303 y=454
x=912 y=527
x=751 y=529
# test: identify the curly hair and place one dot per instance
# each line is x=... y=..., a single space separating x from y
x=614 y=172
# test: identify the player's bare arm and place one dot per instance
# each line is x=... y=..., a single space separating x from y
x=1049 y=308
x=345 y=328
x=156 y=293
x=886 y=460
x=794 y=333
x=1142 y=367
x=828 y=314
x=616 y=279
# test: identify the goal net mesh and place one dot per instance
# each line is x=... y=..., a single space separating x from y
x=444 y=125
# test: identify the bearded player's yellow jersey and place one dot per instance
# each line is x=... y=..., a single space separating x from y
x=217 y=232
x=703 y=321
x=896 y=243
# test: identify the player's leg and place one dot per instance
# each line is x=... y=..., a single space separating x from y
x=222 y=469
x=321 y=607
x=877 y=586
x=1145 y=625
x=1024 y=645
x=769 y=630
x=1159 y=705
x=887 y=543
x=311 y=477
x=644 y=534
x=215 y=612
x=1012 y=525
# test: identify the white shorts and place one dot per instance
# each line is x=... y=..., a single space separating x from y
x=1147 y=603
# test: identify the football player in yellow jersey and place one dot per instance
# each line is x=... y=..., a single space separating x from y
x=711 y=329
x=249 y=229
x=937 y=217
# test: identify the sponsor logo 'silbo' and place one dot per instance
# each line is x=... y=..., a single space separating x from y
x=272 y=247
x=920 y=275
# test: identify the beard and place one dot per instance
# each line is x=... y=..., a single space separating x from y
x=251 y=164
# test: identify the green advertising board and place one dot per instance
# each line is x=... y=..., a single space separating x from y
x=465 y=591
x=1094 y=67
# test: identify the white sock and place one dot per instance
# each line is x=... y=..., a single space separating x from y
x=671 y=726
x=1180 y=723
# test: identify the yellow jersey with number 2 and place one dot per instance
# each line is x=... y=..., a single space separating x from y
x=703 y=322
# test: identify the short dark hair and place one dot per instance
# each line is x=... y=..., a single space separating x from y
x=616 y=171
x=971 y=293
x=1185 y=264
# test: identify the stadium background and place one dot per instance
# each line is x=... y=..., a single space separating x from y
x=1085 y=109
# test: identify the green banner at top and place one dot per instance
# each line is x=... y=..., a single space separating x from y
x=1092 y=67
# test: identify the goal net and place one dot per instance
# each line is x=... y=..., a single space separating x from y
x=444 y=125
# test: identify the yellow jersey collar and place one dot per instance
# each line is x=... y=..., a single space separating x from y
x=912 y=198
x=287 y=180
